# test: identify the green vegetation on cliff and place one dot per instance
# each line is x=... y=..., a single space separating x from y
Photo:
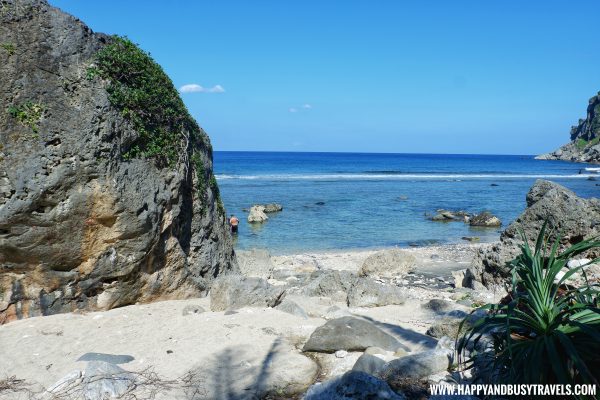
x=145 y=95
x=28 y=114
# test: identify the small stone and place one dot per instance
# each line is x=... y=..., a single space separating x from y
x=192 y=309
x=341 y=353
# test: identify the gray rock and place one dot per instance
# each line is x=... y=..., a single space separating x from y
x=329 y=283
x=257 y=215
x=105 y=380
x=255 y=263
x=191 y=309
x=366 y=292
x=439 y=305
x=233 y=291
x=485 y=219
x=575 y=217
x=389 y=263
x=414 y=367
x=80 y=226
x=108 y=358
x=350 y=334
x=356 y=385
x=291 y=307
x=369 y=363
x=272 y=208
x=447 y=327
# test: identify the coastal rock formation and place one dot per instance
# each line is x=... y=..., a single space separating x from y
x=572 y=217
x=107 y=195
x=257 y=215
x=585 y=138
x=485 y=219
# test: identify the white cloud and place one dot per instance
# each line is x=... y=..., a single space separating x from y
x=195 y=88
x=216 y=89
x=303 y=107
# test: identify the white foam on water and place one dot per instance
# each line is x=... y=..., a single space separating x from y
x=456 y=177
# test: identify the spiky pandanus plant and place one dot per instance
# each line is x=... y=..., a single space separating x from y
x=546 y=331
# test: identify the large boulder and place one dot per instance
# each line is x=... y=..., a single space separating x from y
x=571 y=216
x=389 y=263
x=414 y=367
x=366 y=292
x=355 y=385
x=93 y=214
x=350 y=334
x=329 y=283
x=233 y=291
x=255 y=263
x=257 y=215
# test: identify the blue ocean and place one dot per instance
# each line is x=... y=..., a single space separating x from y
x=351 y=200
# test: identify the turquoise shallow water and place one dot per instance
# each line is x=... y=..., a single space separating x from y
x=344 y=200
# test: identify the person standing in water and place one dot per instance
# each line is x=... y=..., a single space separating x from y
x=234 y=222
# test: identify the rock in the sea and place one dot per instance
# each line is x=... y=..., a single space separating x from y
x=485 y=219
x=414 y=367
x=574 y=217
x=366 y=292
x=350 y=334
x=93 y=214
x=356 y=385
x=257 y=215
x=272 y=208
x=471 y=238
x=233 y=291
x=389 y=263
x=256 y=263
x=329 y=283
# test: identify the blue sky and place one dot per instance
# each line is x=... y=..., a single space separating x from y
x=504 y=77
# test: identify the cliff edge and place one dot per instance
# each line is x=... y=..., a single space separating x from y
x=107 y=195
x=585 y=138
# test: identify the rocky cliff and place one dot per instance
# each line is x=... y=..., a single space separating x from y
x=570 y=216
x=107 y=195
x=585 y=138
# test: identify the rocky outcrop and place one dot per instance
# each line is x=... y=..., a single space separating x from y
x=572 y=217
x=257 y=215
x=485 y=219
x=585 y=138
x=107 y=195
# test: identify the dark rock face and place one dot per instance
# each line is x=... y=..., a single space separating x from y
x=585 y=138
x=575 y=217
x=81 y=227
